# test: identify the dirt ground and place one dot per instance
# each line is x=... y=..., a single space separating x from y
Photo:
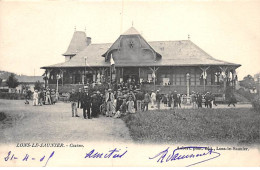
x=54 y=123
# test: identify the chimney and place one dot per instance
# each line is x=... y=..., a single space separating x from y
x=88 y=41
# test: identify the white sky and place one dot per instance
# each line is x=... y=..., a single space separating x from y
x=35 y=34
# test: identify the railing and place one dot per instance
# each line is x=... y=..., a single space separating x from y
x=68 y=87
x=183 y=89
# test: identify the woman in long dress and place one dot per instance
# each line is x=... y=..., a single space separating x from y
x=153 y=98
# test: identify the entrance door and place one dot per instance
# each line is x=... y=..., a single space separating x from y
x=130 y=78
x=131 y=74
x=89 y=78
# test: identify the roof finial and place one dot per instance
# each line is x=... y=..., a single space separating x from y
x=188 y=36
x=75 y=28
x=132 y=23
x=85 y=29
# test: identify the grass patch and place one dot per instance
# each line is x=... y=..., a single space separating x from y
x=235 y=126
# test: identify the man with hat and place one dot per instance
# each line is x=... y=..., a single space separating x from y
x=110 y=102
x=146 y=101
x=79 y=94
x=208 y=100
x=35 y=97
x=95 y=105
x=139 y=99
x=194 y=100
x=175 y=98
x=158 y=99
x=48 y=96
x=73 y=99
x=100 y=101
x=119 y=99
x=86 y=102
x=199 y=100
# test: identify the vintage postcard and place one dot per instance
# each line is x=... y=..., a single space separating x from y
x=129 y=83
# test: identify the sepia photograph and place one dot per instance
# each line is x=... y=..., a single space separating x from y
x=127 y=83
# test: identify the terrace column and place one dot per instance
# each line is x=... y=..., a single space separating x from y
x=154 y=74
x=45 y=79
x=82 y=78
x=223 y=74
x=204 y=76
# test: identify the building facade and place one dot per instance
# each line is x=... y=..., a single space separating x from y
x=163 y=65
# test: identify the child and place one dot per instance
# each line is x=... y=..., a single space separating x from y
x=122 y=110
x=130 y=105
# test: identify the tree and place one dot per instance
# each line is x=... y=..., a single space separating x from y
x=1 y=81
x=248 y=82
x=12 y=82
x=37 y=85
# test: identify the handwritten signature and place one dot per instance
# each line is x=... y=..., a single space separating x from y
x=163 y=156
x=10 y=157
x=114 y=153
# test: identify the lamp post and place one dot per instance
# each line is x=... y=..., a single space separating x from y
x=57 y=89
x=188 y=88
x=154 y=76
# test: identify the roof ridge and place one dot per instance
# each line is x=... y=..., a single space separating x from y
x=169 y=41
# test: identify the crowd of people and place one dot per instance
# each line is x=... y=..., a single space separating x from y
x=41 y=97
x=127 y=98
x=124 y=101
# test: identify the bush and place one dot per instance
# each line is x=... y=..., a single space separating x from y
x=189 y=126
x=2 y=116
x=256 y=104
x=12 y=96
x=246 y=94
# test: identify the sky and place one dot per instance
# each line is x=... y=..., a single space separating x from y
x=36 y=33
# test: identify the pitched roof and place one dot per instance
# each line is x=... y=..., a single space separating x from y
x=184 y=53
x=92 y=53
x=174 y=53
x=131 y=31
x=77 y=43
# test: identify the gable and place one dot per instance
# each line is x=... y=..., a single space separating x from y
x=131 y=48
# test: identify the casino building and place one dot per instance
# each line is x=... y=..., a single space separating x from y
x=164 y=65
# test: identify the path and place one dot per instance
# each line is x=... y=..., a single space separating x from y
x=54 y=123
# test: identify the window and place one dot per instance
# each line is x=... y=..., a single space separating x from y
x=192 y=79
x=166 y=81
x=180 y=79
x=160 y=79
x=173 y=79
x=198 y=79
x=131 y=44
x=208 y=79
x=149 y=77
x=76 y=79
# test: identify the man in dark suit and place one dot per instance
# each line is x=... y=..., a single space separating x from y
x=79 y=94
x=86 y=102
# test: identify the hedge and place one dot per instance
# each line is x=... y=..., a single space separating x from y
x=256 y=104
x=12 y=96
